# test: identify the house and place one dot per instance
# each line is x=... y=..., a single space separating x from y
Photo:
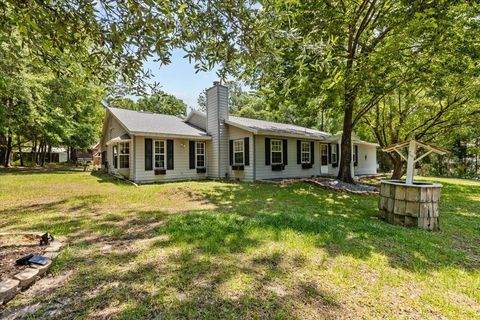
x=148 y=147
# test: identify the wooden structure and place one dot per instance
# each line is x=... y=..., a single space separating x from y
x=413 y=145
x=410 y=203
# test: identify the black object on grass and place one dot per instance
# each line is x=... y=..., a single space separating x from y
x=46 y=238
x=24 y=260
x=32 y=259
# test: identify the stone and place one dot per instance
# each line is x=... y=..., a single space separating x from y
x=426 y=210
x=26 y=277
x=400 y=193
x=399 y=207
x=412 y=208
x=51 y=255
x=42 y=269
x=410 y=221
x=390 y=204
x=399 y=219
x=385 y=190
x=413 y=194
x=54 y=246
x=8 y=290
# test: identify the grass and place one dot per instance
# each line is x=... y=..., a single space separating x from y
x=240 y=250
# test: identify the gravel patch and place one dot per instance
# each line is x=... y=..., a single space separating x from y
x=335 y=184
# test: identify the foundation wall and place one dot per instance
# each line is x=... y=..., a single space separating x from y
x=410 y=205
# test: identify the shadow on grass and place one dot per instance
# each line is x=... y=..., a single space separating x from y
x=212 y=263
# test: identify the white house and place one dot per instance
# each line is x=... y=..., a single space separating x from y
x=149 y=147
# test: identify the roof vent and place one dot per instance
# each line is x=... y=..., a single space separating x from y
x=216 y=83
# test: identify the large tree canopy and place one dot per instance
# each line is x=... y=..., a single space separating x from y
x=159 y=102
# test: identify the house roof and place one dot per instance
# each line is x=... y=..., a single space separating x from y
x=141 y=122
x=275 y=128
x=355 y=139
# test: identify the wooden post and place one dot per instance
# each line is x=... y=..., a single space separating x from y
x=411 y=161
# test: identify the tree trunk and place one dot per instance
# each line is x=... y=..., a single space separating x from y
x=34 y=151
x=20 y=151
x=398 y=167
x=50 y=153
x=345 y=173
x=43 y=154
x=9 y=150
x=73 y=155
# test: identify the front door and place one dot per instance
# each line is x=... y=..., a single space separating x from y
x=323 y=159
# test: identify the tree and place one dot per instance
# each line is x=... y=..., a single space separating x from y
x=350 y=53
x=164 y=103
x=159 y=102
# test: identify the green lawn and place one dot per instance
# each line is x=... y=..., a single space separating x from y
x=240 y=250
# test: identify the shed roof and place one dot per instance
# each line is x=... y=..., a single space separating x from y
x=141 y=122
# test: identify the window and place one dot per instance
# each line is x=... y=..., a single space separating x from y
x=305 y=152
x=124 y=153
x=277 y=151
x=200 y=154
x=238 y=155
x=115 y=156
x=334 y=153
x=159 y=155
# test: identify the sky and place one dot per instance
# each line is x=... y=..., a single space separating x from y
x=179 y=78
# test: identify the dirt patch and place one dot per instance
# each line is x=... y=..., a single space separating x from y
x=13 y=247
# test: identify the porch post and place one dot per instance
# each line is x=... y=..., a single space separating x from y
x=411 y=161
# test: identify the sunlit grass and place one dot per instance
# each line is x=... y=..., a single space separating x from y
x=241 y=250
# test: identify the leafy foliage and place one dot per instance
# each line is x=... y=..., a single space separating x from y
x=159 y=102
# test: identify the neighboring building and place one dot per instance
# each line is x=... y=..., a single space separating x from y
x=148 y=147
x=97 y=154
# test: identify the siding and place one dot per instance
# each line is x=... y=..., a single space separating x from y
x=292 y=170
x=181 y=169
x=369 y=165
x=247 y=174
x=115 y=129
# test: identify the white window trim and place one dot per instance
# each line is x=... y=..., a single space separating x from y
x=334 y=153
x=120 y=155
x=164 y=154
x=235 y=163
x=197 y=154
x=281 y=151
x=307 y=143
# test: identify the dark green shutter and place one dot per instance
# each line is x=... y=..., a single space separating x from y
x=169 y=154
x=285 y=151
x=148 y=155
x=246 y=150
x=267 y=151
x=115 y=156
x=329 y=153
x=299 y=152
x=335 y=164
x=191 y=154
x=230 y=148
x=312 y=152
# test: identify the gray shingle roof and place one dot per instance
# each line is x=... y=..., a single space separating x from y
x=153 y=123
x=265 y=127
